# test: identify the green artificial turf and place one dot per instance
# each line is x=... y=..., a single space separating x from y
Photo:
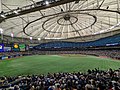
x=42 y=64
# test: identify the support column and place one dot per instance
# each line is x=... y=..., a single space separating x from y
x=1 y=30
x=118 y=5
x=118 y=9
x=97 y=3
x=0 y=6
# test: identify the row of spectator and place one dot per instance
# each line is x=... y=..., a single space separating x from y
x=105 y=53
x=92 y=80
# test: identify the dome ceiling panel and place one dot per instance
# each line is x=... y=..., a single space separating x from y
x=75 y=19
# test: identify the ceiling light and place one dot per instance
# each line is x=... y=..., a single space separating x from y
x=1 y=30
x=15 y=12
x=2 y=15
x=47 y=2
x=12 y=34
x=30 y=38
x=39 y=39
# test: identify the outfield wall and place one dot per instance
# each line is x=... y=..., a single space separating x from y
x=115 y=54
x=10 y=55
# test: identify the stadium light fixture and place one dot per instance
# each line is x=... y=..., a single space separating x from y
x=1 y=30
x=30 y=38
x=2 y=15
x=16 y=12
x=12 y=34
x=46 y=2
x=39 y=39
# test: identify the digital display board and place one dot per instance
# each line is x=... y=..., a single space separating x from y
x=6 y=49
x=22 y=47
x=15 y=47
x=27 y=47
x=1 y=47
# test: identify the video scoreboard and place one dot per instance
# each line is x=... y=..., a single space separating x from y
x=14 y=47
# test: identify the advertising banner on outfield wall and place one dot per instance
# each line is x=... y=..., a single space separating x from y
x=1 y=47
x=22 y=47
x=15 y=47
x=7 y=49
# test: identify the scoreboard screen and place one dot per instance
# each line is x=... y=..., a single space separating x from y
x=6 y=49
x=22 y=47
x=15 y=47
x=1 y=47
x=27 y=47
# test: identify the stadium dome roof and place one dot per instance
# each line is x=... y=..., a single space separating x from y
x=74 y=19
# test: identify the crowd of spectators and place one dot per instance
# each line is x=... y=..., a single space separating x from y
x=115 y=54
x=92 y=80
x=105 y=53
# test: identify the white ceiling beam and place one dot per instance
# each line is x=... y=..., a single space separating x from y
x=0 y=5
